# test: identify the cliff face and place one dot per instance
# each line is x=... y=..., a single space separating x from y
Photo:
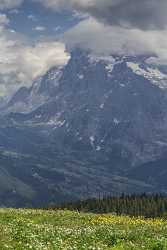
x=84 y=129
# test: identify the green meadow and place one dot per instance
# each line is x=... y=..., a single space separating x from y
x=65 y=230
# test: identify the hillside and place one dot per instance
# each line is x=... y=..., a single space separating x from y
x=84 y=129
x=148 y=206
x=62 y=230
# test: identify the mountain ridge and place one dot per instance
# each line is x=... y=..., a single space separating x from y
x=91 y=123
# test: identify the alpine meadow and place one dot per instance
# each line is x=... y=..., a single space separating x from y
x=83 y=124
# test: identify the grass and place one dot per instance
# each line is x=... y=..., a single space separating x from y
x=61 y=230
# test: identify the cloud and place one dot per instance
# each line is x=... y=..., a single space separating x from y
x=40 y=28
x=4 y=20
x=125 y=27
x=21 y=62
x=10 y=4
x=142 y=14
x=104 y=39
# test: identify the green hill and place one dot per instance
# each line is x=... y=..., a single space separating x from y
x=65 y=230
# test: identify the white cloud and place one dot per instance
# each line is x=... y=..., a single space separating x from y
x=104 y=39
x=40 y=28
x=41 y=57
x=117 y=26
x=4 y=20
x=21 y=62
x=128 y=27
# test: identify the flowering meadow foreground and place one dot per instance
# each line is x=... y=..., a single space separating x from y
x=54 y=230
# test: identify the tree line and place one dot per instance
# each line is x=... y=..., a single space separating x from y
x=147 y=205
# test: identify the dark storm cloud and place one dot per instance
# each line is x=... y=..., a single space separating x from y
x=142 y=14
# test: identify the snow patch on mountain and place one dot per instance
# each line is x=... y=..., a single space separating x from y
x=92 y=140
x=116 y=121
x=109 y=67
x=102 y=106
x=81 y=76
x=56 y=120
x=94 y=59
x=153 y=74
x=56 y=123
x=98 y=148
x=55 y=75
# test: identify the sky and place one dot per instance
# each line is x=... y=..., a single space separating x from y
x=36 y=35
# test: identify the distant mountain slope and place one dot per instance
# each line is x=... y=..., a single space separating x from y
x=85 y=128
x=28 y=99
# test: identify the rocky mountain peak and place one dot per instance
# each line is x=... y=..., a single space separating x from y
x=94 y=120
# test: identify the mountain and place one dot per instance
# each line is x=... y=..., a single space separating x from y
x=29 y=99
x=96 y=126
